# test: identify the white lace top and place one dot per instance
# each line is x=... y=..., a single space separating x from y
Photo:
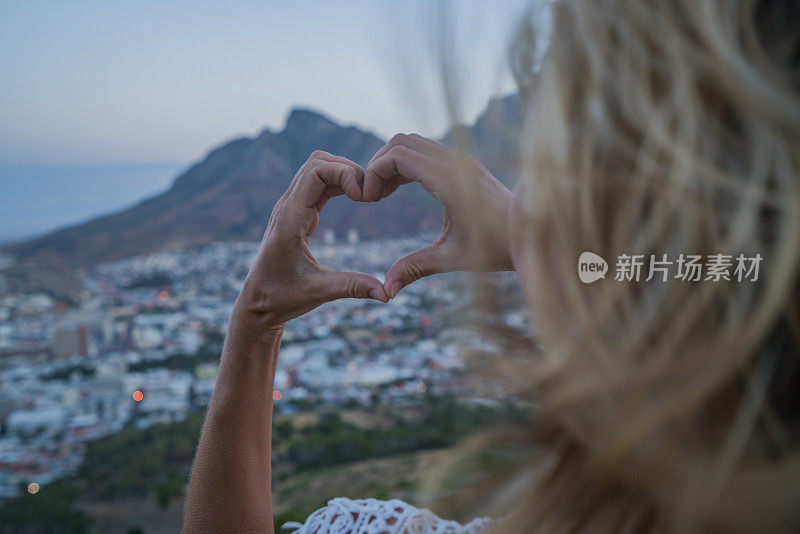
x=371 y=516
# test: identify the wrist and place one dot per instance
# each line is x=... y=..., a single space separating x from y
x=250 y=323
x=247 y=368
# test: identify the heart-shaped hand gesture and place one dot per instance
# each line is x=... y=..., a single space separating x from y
x=286 y=280
x=470 y=241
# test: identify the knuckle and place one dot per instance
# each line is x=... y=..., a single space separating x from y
x=398 y=139
x=399 y=151
x=276 y=209
x=314 y=165
x=352 y=289
x=420 y=138
x=348 y=172
x=318 y=155
x=414 y=271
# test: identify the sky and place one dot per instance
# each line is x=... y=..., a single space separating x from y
x=103 y=103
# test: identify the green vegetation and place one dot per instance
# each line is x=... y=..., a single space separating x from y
x=155 y=462
x=51 y=510
x=176 y=362
x=141 y=462
x=62 y=374
x=208 y=352
x=443 y=423
x=156 y=280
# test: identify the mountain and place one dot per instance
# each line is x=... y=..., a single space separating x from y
x=494 y=138
x=230 y=194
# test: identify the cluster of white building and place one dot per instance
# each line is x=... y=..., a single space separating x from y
x=139 y=349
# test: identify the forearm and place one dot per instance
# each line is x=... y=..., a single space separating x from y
x=230 y=488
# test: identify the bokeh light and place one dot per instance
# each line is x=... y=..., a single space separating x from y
x=422 y=387
x=33 y=488
x=277 y=395
x=163 y=296
x=138 y=395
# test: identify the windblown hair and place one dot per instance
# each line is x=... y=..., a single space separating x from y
x=660 y=127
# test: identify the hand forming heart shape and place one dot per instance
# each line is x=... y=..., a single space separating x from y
x=460 y=184
x=286 y=280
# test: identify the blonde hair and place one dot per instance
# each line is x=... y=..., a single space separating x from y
x=660 y=127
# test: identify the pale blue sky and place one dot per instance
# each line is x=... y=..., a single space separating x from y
x=91 y=85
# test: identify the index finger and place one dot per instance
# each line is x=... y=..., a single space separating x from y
x=319 y=178
x=404 y=162
x=419 y=143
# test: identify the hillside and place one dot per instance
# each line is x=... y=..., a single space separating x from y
x=137 y=478
x=230 y=193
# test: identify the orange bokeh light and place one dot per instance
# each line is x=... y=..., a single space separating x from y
x=138 y=395
x=277 y=395
x=163 y=295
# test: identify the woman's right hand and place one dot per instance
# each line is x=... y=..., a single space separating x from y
x=285 y=280
x=444 y=173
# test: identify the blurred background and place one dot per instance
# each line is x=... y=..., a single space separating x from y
x=142 y=147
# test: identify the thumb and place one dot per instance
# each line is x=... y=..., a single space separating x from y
x=347 y=284
x=411 y=268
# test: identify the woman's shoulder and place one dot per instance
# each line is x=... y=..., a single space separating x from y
x=373 y=516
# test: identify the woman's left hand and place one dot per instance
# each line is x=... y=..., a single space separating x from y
x=286 y=280
x=450 y=178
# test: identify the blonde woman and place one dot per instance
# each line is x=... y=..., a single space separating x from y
x=657 y=129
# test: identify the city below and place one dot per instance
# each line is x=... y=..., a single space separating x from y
x=142 y=343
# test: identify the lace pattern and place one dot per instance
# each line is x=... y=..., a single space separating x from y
x=371 y=516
